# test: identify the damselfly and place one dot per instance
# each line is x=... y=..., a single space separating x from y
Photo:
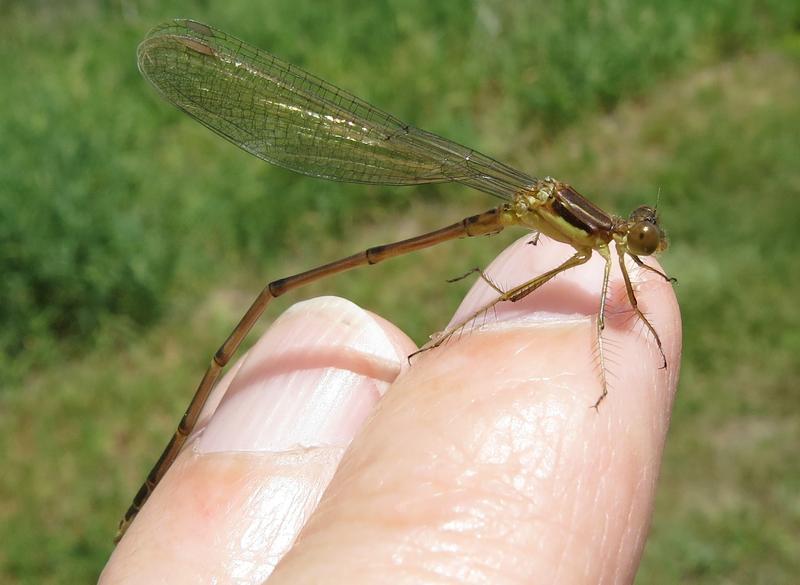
x=290 y=118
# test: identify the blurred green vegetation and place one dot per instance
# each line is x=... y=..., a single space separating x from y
x=131 y=238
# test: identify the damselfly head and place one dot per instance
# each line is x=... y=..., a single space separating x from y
x=644 y=235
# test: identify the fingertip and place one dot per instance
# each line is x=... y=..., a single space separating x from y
x=279 y=422
x=574 y=295
x=488 y=443
x=488 y=446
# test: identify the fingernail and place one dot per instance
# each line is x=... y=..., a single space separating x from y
x=311 y=380
x=573 y=294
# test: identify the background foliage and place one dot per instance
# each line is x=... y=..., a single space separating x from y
x=131 y=238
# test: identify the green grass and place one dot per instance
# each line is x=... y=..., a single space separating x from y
x=131 y=238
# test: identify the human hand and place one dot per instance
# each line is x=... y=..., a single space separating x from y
x=483 y=463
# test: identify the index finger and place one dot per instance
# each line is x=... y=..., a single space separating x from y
x=486 y=458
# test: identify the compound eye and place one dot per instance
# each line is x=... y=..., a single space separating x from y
x=643 y=238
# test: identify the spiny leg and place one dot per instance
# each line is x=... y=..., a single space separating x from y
x=520 y=292
x=484 y=277
x=601 y=324
x=635 y=304
x=515 y=294
x=641 y=264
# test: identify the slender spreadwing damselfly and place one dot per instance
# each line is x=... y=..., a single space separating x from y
x=293 y=119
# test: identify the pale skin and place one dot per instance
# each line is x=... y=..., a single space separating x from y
x=483 y=462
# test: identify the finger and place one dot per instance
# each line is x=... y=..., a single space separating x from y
x=236 y=497
x=486 y=463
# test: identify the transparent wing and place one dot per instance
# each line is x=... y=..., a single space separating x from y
x=290 y=118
